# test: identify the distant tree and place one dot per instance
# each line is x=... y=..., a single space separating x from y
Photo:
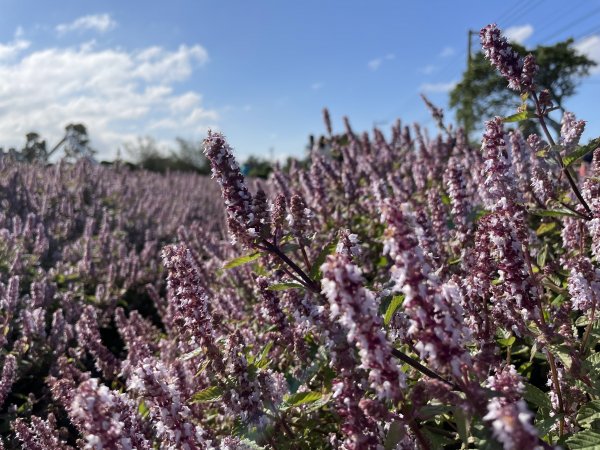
x=148 y=154
x=34 y=149
x=75 y=143
x=257 y=167
x=482 y=91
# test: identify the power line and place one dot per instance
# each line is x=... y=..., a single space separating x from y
x=509 y=11
x=589 y=32
x=562 y=14
x=520 y=13
x=570 y=24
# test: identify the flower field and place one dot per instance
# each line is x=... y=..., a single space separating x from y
x=402 y=291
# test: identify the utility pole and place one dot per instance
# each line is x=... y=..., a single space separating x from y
x=469 y=52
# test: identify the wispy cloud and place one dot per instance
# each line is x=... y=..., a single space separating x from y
x=590 y=47
x=118 y=94
x=428 y=69
x=376 y=63
x=95 y=22
x=12 y=49
x=317 y=85
x=437 y=87
x=447 y=52
x=519 y=33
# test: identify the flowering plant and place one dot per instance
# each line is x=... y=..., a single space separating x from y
x=403 y=293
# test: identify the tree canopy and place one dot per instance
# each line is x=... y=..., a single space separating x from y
x=482 y=92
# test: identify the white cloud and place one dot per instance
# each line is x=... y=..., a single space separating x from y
x=437 y=87
x=95 y=22
x=518 y=33
x=12 y=49
x=117 y=94
x=447 y=52
x=316 y=86
x=374 y=63
x=590 y=47
x=428 y=69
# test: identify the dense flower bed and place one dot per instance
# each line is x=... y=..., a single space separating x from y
x=398 y=293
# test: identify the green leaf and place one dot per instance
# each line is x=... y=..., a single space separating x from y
x=143 y=410
x=542 y=256
x=263 y=360
x=394 y=435
x=393 y=306
x=241 y=260
x=189 y=355
x=507 y=342
x=581 y=151
x=564 y=355
x=210 y=394
x=552 y=212
x=284 y=286
x=585 y=440
x=545 y=228
x=536 y=396
x=589 y=413
x=301 y=398
x=315 y=271
x=519 y=117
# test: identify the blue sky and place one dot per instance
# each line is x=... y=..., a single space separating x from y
x=260 y=71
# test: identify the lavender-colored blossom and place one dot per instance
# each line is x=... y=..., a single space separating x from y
x=159 y=387
x=89 y=338
x=9 y=375
x=107 y=418
x=510 y=418
x=40 y=434
x=506 y=60
x=570 y=131
x=584 y=284
x=299 y=217
x=434 y=309
x=238 y=200
x=190 y=302
x=354 y=307
x=511 y=424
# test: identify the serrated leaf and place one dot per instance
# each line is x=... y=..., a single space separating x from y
x=594 y=360
x=393 y=306
x=564 y=355
x=315 y=271
x=585 y=440
x=536 y=396
x=581 y=151
x=241 y=260
x=210 y=394
x=520 y=116
x=301 y=398
x=589 y=413
x=284 y=286
x=545 y=425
